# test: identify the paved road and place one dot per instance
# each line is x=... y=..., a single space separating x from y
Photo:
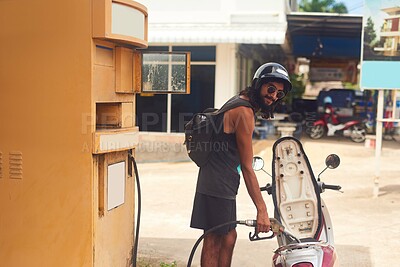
x=366 y=228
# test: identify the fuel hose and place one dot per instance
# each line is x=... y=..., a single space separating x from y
x=252 y=223
x=139 y=208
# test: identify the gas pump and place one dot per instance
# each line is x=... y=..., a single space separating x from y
x=69 y=75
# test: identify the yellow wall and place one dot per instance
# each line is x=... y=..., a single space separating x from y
x=45 y=94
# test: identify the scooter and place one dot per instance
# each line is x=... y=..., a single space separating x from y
x=331 y=124
x=302 y=224
x=306 y=238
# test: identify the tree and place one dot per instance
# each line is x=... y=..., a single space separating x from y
x=369 y=32
x=326 y=6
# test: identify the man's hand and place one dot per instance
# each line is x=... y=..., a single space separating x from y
x=263 y=223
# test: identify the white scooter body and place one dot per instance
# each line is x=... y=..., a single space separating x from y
x=299 y=208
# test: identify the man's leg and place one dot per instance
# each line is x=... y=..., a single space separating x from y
x=211 y=250
x=226 y=251
x=218 y=249
x=209 y=212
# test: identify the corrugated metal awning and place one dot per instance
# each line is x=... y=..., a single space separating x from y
x=218 y=33
x=325 y=34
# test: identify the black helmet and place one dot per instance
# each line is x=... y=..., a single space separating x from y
x=271 y=72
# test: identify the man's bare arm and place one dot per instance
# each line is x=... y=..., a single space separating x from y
x=243 y=121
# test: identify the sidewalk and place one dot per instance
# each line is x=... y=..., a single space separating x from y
x=366 y=229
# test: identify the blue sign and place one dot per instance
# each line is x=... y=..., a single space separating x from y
x=380 y=75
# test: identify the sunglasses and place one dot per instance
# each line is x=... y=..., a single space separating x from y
x=280 y=94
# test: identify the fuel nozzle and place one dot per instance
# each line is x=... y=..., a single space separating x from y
x=276 y=226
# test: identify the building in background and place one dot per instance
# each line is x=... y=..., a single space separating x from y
x=228 y=40
x=390 y=35
x=330 y=45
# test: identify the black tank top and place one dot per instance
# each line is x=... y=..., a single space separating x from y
x=220 y=176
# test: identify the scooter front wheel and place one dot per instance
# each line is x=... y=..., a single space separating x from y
x=357 y=133
x=316 y=132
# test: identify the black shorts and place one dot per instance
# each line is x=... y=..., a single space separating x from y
x=209 y=211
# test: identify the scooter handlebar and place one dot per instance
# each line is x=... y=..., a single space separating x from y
x=332 y=187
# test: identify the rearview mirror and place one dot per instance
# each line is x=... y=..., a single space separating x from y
x=258 y=163
x=332 y=161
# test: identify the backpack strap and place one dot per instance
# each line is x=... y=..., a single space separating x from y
x=234 y=102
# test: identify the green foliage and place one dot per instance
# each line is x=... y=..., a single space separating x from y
x=325 y=6
x=144 y=262
x=339 y=8
x=369 y=32
x=354 y=86
x=173 y=264
x=150 y=262
x=298 y=89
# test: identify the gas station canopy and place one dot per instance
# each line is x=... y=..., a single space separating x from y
x=245 y=33
x=325 y=35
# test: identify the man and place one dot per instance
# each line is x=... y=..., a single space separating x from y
x=218 y=179
x=330 y=117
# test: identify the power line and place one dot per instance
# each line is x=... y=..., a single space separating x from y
x=356 y=7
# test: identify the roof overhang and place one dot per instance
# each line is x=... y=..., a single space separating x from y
x=325 y=35
x=391 y=10
x=270 y=33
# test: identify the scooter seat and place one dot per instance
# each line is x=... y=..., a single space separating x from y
x=295 y=190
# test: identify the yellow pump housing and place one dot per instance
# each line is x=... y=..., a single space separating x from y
x=68 y=78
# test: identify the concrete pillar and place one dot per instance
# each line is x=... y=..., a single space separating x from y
x=225 y=73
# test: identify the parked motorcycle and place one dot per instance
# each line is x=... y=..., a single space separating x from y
x=307 y=239
x=331 y=124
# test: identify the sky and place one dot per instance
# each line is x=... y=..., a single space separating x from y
x=370 y=8
x=353 y=6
